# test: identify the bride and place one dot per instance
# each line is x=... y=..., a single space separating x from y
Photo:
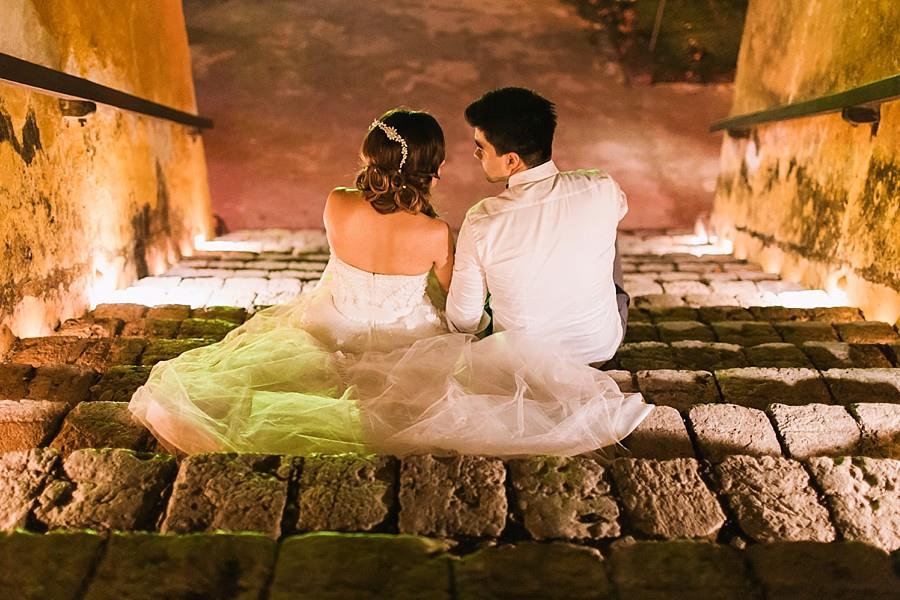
x=365 y=362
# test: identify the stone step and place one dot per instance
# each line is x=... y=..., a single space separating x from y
x=339 y=566
x=743 y=499
x=72 y=406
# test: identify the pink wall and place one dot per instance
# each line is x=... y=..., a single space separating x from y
x=293 y=86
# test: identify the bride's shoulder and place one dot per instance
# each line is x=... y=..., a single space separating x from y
x=342 y=199
x=344 y=194
x=438 y=230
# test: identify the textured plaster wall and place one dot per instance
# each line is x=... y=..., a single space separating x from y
x=293 y=86
x=815 y=198
x=86 y=207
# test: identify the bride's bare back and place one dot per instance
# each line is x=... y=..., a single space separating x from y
x=398 y=243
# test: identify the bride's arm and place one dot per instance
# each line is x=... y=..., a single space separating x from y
x=443 y=264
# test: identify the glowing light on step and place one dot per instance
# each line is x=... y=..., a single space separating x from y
x=204 y=245
x=149 y=295
x=105 y=279
x=30 y=318
x=811 y=299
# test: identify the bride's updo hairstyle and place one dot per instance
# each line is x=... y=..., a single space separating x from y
x=397 y=177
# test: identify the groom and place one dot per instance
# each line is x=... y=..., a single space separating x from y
x=544 y=248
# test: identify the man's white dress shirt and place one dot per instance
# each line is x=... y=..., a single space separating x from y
x=544 y=249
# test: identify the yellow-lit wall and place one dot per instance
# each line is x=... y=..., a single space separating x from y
x=816 y=198
x=86 y=206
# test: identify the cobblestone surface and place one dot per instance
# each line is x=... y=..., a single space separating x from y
x=678 y=389
x=841 y=355
x=661 y=435
x=810 y=571
x=864 y=495
x=229 y=492
x=346 y=492
x=880 y=424
x=119 y=383
x=745 y=333
x=798 y=332
x=193 y=566
x=100 y=425
x=780 y=355
x=773 y=500
x=850 y=386
x=674 y=331
x=106 y=490
x=680 y=569
x=723 y=430
x=59 y=350
x=816 y=430
x=22 y=477
x=867 y=332
x=61 y=383
x=703 y=356
x=564 y=498
x=26 y=424
x=452 y=496
x=14 y=380
x=334 y=567
x=667 y=498
x=758 y=387
x=25 y=558
x=531 y=570
x=102 y=354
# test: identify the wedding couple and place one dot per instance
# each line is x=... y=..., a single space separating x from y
x=384 y=355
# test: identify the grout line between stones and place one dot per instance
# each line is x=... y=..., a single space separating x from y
x=706 y=471
x=452 y=588
x=822 y=497
x=781 y=441
x=513 y=530
x=98 y=557
x=290 y=516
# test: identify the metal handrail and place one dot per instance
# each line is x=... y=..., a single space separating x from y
x=870 y=93
x=49 y=80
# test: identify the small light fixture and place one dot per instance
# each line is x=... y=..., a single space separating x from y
x=77 y=109
x=863 y=114
x=739 y=134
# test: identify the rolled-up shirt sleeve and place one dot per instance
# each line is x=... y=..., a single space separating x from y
x=468 y=290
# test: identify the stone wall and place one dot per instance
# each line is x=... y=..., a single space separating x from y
x=816 y=198
x=89 y=205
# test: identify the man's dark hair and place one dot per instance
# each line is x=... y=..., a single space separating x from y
x=516 y=120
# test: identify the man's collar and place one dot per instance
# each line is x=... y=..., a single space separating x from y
x=542 y=171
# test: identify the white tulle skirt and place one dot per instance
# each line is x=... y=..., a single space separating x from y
x=285 y=383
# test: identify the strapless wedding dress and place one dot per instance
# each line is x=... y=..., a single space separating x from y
x=365 y=363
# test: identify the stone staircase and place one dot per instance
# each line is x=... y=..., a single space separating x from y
x=769 y=467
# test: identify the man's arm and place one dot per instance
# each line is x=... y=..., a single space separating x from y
x=622 y=297
x=465 y=303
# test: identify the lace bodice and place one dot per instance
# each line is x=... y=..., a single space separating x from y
x=372 y=298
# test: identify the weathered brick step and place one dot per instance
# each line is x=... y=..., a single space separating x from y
x=339 y=566
x=758 y=387
x=36 y=408
x=101 y=354
x=753 y=333
x=701 y=355
x=742 y=499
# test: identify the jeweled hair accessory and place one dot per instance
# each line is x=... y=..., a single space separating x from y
x=392 y=135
